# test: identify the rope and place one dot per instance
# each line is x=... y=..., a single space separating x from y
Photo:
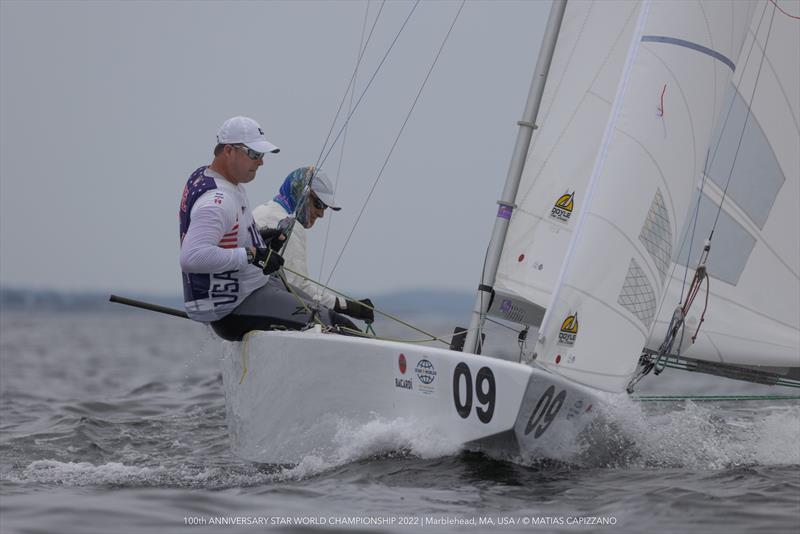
x=387 y=315
x=706 y=166
x=746 y=119
x=313 y=313
x=351 y=83
x=704 y=398
x=784 y=12
x=321 y=160
x=701 y=272
x=670 y=362
x=352 y=90
x=397 y=139
x=503 y=325
x=372 y=78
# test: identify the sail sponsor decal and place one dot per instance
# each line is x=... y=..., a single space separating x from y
x=562 y=209
x=403 y=383
x=426 y=374
x=569 y=330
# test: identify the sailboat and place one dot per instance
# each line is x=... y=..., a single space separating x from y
x=649 y=219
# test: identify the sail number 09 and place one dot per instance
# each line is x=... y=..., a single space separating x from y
x=484 y=392
x=545 y=411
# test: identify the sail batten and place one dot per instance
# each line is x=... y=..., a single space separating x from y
x=690 y=45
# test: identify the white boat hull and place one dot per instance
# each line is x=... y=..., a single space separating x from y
x=288 y=393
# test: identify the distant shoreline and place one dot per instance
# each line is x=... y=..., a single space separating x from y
x=424 y=301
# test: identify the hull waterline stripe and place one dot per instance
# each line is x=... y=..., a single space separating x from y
x=688 y=44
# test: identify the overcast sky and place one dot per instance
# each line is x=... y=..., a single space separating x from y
x=107 y=107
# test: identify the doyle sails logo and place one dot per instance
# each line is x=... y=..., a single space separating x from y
x=569 y=330
x=562 y=209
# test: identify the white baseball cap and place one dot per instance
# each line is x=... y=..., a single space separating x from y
x=246 y=131
x=321 y=185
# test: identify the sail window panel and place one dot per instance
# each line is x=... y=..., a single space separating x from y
x=637 y=294
x=656 y=235
x=757 y=176
x=731 y=245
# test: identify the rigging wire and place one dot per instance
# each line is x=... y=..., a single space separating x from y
x=397 y=138
x=352 y=91
x=351 y=83
x=708 y=163
x=746 y=119
x=387 y=315
x=701 y=273
x=321 y=159
x=504 y=325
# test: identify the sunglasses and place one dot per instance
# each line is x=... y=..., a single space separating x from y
x=252 y=154
x=320 y=205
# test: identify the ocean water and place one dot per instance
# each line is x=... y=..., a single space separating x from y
x=115 y=422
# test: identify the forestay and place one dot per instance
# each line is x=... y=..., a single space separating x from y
x=670 y=94
x=754 y=262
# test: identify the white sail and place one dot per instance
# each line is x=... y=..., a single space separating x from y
x=583 y=78
x=671 y=89
x=753 y=315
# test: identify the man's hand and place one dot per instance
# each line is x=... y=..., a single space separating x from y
x=275 y=238
x=267 y=259
x=358 y=309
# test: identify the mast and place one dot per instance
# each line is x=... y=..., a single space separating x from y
x=506 y=203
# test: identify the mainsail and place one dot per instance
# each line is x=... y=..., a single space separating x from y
x=633 y=184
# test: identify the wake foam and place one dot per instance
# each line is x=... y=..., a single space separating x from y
x=706 y=436
x=86 y=474
x=353 y=442
x=629 y=434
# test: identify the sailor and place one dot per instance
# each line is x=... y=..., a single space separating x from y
x=306 y=193
x=223 y=258
x=226 y=263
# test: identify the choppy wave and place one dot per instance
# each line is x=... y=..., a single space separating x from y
x=103 y=414
x=695 y=436
x=701 y=435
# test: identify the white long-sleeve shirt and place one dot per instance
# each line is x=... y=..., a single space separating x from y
x=216 y=226
x=294 y=253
